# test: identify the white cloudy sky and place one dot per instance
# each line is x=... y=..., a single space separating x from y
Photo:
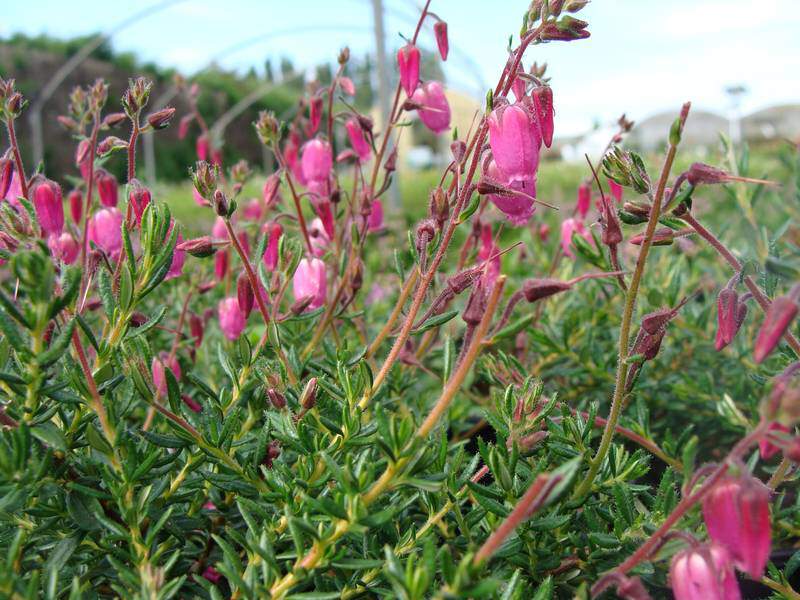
x=644 y=56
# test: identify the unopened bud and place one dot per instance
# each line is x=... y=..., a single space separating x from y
x=268 y=128
x=344 y=55
x=308 y=398
x=111 y=144
x=277 y=399
x=439 y=208
x=198 y=247
x=779 y=317
x=161 y=118
x=114 y=119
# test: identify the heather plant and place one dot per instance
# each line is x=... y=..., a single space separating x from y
x=309 y=401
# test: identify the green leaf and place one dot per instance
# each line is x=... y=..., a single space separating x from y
x=50 y=435
x=436 y=321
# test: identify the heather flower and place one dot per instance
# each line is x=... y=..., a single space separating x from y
x=75 y=199
x=703 y=573
x=357 y=140
x=244 y=294
x=310 y=282
x=139 y=197
x=6 y=175
x=14 y=191
x=584 y=200
x=107 y=188
x=616 y=190
x=408 y=64
x=178 y=258
x=203 y=148
x=271 y=188
x=317 y=160
x=253 y=210
x=290 y=154
x=314 y=114
x=779 y=317
x=515 y=141
x=83 y=158
x=157 y=368
x=543 y=106
x=736 y=513
x=347 y=86
x=731 y=312
x=105 y=230
x=568 y=228
x=274 y=232
x=516 y=199
x=434 y=110
x=221 y=260
x=63 y=247
x=231 y=319
x=375 y=218
x=219 y=231
x=491 y=253
x=440 y=31
x=48 y=205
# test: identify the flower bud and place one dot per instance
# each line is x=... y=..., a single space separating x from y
x=584 y=200
x=357 y=140
x=703 y=572
x=314 y=114
x=6 y=175
x=244 y=294
x=779 y=317
x=565 y=29
x=476 y=305
x=277 y=399
x=270 y=258
x=344 y=56
x=701 y=173
x=439 y=207
x=347 y=86
x=204 y=178
x=107 y=187
x=114 y=119
x=267 y=128
x=139 y=197
x=543 y=106
x=221 y=205
x=48 y=205
x=536 y=289
x=730 y=316
x=308 y=399
x=197 y=329
x=111 y=144
x=408 y=58
x=231 y=319
x=440 y=32
x=161 y=118
x=75 y=205
x=736 y=513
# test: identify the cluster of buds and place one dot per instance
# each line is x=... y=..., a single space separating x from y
x=565 y=29
x=627 y=169
x=204 y=178
x=136 y=96
x=268 y=128
x=11 y=101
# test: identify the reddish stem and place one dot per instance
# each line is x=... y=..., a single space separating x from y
x=12 y=139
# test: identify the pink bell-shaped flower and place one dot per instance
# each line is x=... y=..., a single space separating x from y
x=14 y=190
x=253 y=210
x=75 y=199
x=489 y=252
x=408 y=64
x=318 y=236
x=375 y=218
x=274 y=232
x=178 y=258
x=584 y=200
x=231 y=319
x=219 y=231
x=291 y=151
x=48 y=205
x=736 y=513
x=83 y=158
x=107 y=188
x=434 y=111
x=568 y=227
x=105 y=230
x=347 y=86
x=703 y=573
x=317 y=160
x=63 y=247
x=203 y=148
x=221 y=261
x=779 y=317
x=515 y=141
x=310 y=281
x=357 y=139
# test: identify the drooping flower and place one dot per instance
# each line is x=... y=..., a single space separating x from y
x=271 y=188
x=731 y=312
x=314 y=114
x=14 y=191
x=178 y=258
x=489 y=252
x=274 y=232
x=107 y=188
x=569 y=227
x=516 y=199
x=244 y=294
x=291 y=151
x=317 y=160
x=219 y=231
x=440 y=31
x=6 y=175
x=221 y=260
x=139 y=197
x=231 y=319
x=105 y=230
x=515 y=141
x=83 y=158
x=434 y=111
x=584 y=200
x=347 y=86
x=408 y=64
x=543 y=105
x=63 y=247
x=616 y=190
x=357 y=139
x=703 y=573
x=736 y=513
x=253 y=210
x=779 y=317
x=48 y=205
x=203 y=148
x=375 y=218
x=75 y=199
x=310 y=282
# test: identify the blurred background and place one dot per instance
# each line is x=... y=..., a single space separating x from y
x=736 y=60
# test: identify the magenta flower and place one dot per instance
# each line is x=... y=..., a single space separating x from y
x=375 y=218
x=408 y=64
x=314 y=114
x=48 y=205
x=515 y=141
x=434 y=111
x=212 y=575
x=569 y=227
x=489 y=252
x=318 y=236
x=543 y=105
x=440 y=31
x=107 y=188
x=736 y=513
x=231 y=319
x=245 y=295
x=324 y=211
x=203 y=148
x=310 y=282
x=253 y=210
x=105 y=230
x=357 y=139
x=14 y=190
x=271 y=188
x=139 y=197
x=63 y=247
x=584 y=200
x=274 y=232
x=178 y=258
x=219 y=231
x=517 y=201
x=731 y=312
x=290 y=153
x=347 y=86
x=703 y=573
x=779 y=317
x=616 y=190
x=75 y=199
x=83 y=158
x=221 y=260
x=317 y=160
x=6 y=175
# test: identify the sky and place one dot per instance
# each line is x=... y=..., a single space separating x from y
x=643 y=57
